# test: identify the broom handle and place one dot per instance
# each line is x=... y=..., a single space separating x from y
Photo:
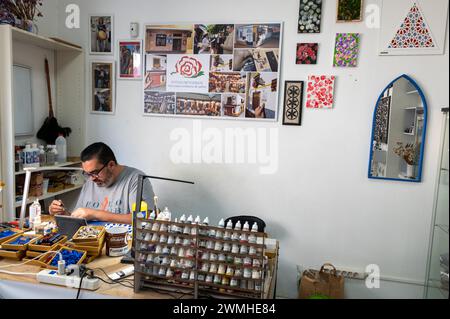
x=50 y=106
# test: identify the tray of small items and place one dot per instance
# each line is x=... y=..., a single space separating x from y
x=89 y=235
x=19 y=242
x=70 y=255
x=7 y=233
x=47 y=242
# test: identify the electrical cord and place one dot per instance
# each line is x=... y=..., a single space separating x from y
x=83 y=273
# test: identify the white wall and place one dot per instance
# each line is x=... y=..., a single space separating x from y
x=320 y=204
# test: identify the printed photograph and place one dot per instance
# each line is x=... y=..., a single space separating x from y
x=213 y=38
x=176 y=39
x=198 y=104
x=221 y=63
x=257 y=36
x=102 y=87
x=261 y=60
x=155 y=81
x=154 y=62
x=229 y=82
x=233 y=105
x=262 y=95
x=159 y=102
x=307 y=53
x=130 y=59
x=101 y=34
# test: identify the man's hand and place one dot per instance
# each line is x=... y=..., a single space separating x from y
x=86 y=213
x=57 y=208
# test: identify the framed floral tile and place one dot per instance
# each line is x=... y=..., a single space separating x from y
x=349 y=10
x=293 y=101
x=310 y=16
x=346 y=50
x=320 y=92
x=307 y=53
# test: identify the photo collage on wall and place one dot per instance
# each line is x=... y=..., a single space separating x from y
x=212 y=70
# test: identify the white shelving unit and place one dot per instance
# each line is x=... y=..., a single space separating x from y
x=49 y=195
x=69 y=77
x=44 y=168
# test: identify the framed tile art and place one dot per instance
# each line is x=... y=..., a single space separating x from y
x=293 y=101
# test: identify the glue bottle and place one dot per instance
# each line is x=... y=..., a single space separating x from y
x=61 y=147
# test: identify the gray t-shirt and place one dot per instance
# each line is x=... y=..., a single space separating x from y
x=117 y=198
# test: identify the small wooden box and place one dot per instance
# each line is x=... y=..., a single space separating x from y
x=16 y=255
x=44 y=248
x=16 y=232
x=8 y=246
x=83 y=257
x=89 y=241
x=32 y=254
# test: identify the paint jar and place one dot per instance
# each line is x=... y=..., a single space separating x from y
x=190 y=253
x=174 y=263
x=213 y=268
x=171 y=240
x=201 y=277
x=155 y=238
x=155 y=227
x=209 y=278
x=185 y=275
x=235 y=236
x=252 y=238
x=226 y=247
x=205 y=267
x=243 y=250
x=218 y=246
x=219 y=234
x=212 y=233
x=202 y=244
x=256 y=263
x=247 y=273
x=163 y=239
x=165 y=250
x=173 y=251
x=230 y=271
x=163 y=228
x=235 y=249
x=169 y=273
x=178 y=241
x=192 y=275
x=222 y=257
x=205 y=256
x=165 y=261
x=116 y=241
x=252 y=250
x=186 y=230
x=227 y=235
x=237 y=260
x=186 y=242
x=238 y=272
x=225 y=281
x=181 y=252
x=221 y=270
x=243 y=238
x=162 y=271
x=230 y=259
x=158 y=249
x=210 y=244
x=234 y=282
x=194 y=231
x=256 y=274
x=247 y=261
x=213 y=257
x=148 y=237
x=217 y=279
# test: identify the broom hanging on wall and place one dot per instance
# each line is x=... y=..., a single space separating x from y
x=50 y=130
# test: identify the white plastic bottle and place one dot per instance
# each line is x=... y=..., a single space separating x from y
x=61 y=147
x=35 y=150
x=35 y=211
x=55 y=154
x=27 y=156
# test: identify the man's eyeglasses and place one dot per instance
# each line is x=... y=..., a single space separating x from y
x=93 y=174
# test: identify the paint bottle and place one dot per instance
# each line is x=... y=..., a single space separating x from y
x=35 y=211
x=219 y=233
x=42 y=157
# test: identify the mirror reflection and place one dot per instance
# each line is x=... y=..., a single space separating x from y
x=398 y=133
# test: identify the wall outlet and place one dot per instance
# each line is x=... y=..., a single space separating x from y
x=134 y=29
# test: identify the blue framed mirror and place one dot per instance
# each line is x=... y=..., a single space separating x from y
x=398 y=132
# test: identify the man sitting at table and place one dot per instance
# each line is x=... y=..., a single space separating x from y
x=110 y=189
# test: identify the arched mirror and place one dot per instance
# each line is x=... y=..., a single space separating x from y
x=398 y=132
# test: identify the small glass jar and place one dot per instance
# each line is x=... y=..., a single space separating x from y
x=221 y=270
x=247 y=273
x=205 y=267
x=243 y=250
x=235 y=249
x=243 y=238
x=219 y=234
x=247 y=261
x=222 y=258
x=256 y=262
x=237 y=260
x=256 y=274
x=173 y=251
x=163 y=239
x=158 y=249
x=226 y=247
x=181 y=252
x=171 y=240
x=252 y=250
x=192 y=275
x=213 y=257
x=209 y=278
x=213 y=268
x=230 y=271
x=218 y=246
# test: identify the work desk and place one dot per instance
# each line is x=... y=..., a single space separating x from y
x=108 y=264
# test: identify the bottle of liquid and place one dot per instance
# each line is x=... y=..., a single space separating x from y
x=35 y=151
x=50 y=156
x=42 y=157
x=35 y=210
x=28 y=156
x=155 y=203
x=61 y=147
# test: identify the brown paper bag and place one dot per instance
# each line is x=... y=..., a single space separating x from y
x=321 y=284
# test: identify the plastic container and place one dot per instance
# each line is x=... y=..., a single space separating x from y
x=35 y=211
x=42 y=157
x=61 y=147
x=50 y=156
x=29 y=160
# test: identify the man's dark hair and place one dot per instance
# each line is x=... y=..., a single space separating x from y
x=102 y=152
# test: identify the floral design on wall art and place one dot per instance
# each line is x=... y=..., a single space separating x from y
x=319 y=92
x=346 y=50
x=307 y=53
x=310 y=14
x=413 y=33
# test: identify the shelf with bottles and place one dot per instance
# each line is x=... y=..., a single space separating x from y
x=41 y=168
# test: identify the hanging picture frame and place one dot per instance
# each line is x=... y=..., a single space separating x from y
x=101 y=34
x=309 y=16
x=293 y=101
x=349 y=11
x=129 y=59
x=102 y=82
